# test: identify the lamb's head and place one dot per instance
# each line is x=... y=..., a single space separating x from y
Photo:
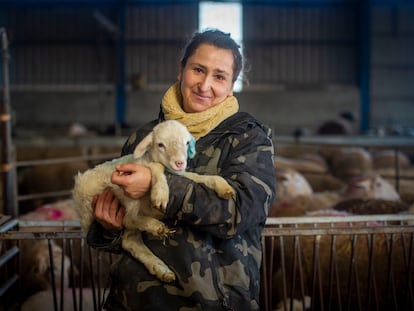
x=170 y=143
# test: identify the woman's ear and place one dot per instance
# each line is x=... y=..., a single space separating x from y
x=180 y=73
x=231 y=91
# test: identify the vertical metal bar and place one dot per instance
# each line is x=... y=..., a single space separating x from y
x=316 y=277
x=301 y=274
x=410 y=295
x=92 y=273
x=364 y=56
x=62 y=277
x=264 y=274
x=120 y=77
x=397 y=169
x=52 y=274
x=357 y=278
x=390 y=275
x=270 y=272
x=296 y=262
x=334 y=274
x=352 y=266
x=7 y=159
x=283 y=267
x=371 y=273
x=72 y=275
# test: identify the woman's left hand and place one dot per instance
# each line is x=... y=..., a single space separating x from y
x=134 y=179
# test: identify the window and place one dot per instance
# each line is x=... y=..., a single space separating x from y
x=226 y=17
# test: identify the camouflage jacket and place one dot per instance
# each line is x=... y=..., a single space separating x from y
x=216 y=249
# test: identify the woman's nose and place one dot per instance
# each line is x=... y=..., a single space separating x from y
x=204 y=84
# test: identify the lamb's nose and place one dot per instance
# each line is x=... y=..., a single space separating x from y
x=179 y=163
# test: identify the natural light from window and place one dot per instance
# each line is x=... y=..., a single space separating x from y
x=226 y=17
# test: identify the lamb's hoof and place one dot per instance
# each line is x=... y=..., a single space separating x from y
x=161 y=206
x=168 y=277
x=228 y=193
x=162 y=272
x=163 y=232
x=160 y=203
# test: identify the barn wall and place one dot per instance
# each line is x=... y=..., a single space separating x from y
x=392 y=66
x=283 y=110
x=303 y=61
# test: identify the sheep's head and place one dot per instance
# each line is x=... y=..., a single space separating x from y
x=169 y=143
x=290 y=183
x=37 y=265
x=371 y=186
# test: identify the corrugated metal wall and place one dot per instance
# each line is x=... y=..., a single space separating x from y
x=301 y=45
x=77 y=46
x=392 y=66
x=287 y=44
x=155 y=37
x=53 y=46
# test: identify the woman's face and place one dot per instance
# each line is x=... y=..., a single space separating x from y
x=207 y=78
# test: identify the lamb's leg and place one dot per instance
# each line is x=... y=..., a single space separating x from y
x=132 y=242
x=159 y=187
x=148 y=224
x=217 y=183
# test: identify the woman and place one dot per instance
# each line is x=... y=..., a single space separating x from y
x=215 y=251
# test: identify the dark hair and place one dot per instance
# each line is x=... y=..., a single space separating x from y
x=218 y=39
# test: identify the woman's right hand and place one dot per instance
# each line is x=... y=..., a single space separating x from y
x=108 y=211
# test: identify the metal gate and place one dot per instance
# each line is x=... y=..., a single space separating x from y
x=339 y=263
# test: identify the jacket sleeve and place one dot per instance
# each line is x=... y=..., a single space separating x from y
x=245 y=160
x=99 y=238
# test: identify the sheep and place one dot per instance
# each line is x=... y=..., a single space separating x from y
x=293 y=304
x=43 y=300
x=348 y=162
x=56 y=211
x=296 y=198
x=37 y=258
x=167 y=146
x=300 y=164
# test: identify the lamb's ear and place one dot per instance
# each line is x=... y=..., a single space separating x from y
x=143 y=146
x=191 y=151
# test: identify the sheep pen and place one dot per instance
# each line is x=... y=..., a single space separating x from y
x=167 y=146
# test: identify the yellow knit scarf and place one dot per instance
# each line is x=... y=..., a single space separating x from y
x=198 y=123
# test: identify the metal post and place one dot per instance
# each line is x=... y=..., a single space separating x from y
x=7 y=158
x=120 y=78
x=364 y=63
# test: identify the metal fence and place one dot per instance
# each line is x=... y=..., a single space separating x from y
x=324 y=263
x=78 y=277
x=339 y=263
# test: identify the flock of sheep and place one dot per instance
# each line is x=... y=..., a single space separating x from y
x=340 y=271
x=310 y=181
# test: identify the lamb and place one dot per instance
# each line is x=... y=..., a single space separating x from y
x=167 y=146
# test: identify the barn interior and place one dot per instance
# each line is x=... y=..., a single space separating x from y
x=333 y=79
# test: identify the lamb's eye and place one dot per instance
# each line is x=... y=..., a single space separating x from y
x=161 y=145
x=187 y=143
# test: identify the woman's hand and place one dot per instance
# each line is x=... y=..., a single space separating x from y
x=108 y=211
x=134 y=179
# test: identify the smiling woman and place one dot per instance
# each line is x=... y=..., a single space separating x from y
x=206 y=78
x=215 y=251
